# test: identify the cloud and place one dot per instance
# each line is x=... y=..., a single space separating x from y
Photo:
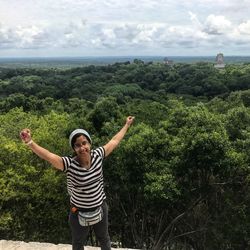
x=195 y=20
x=240 y=36
x=142 y=25
x=24 y=37
x=122 y=35
x=31 y=37
x=217 y=25
x=244 y=28
x=8 y=38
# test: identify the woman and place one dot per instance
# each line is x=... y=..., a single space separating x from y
x=84 y=182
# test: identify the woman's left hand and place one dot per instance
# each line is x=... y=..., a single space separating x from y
x=130 y=120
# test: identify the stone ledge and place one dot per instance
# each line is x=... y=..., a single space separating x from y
x=21 y=245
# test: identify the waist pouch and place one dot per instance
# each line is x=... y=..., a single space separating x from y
x=90 y=218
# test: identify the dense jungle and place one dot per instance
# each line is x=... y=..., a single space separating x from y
x=178 y=180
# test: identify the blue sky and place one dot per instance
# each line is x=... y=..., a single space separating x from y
x=43 y=28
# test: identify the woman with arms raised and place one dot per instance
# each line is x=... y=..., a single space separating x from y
x=84 y=182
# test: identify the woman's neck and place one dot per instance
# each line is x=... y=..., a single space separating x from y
x=84 y=162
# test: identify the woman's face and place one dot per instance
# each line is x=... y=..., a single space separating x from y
x=82 y=146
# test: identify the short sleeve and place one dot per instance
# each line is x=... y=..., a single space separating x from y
x=66 y=163
x=100 y=151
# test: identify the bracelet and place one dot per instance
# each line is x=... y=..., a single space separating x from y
x=29 y=142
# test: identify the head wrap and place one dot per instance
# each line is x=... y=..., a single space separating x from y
x=80 y=132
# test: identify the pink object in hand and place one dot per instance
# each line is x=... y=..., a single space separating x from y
x=24 y=135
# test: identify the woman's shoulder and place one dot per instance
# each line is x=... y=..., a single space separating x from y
x=99 y=151
x=69 y=157
x=67 y=160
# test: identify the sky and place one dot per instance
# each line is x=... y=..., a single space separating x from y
x=59 y=28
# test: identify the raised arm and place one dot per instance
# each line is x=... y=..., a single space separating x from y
x=55 y=160
x=113 y=143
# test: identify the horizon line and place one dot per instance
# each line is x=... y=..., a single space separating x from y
x=122 y=56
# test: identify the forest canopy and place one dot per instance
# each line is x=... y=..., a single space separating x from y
x=178 y=180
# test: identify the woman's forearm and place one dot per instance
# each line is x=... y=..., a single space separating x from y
x=114 y=142
x=43 y=153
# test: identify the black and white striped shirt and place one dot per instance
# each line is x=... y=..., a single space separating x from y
x=85 y=186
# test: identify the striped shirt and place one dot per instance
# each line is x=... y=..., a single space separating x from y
x=85 y=186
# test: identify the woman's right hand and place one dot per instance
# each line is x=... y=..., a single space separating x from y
x=25 y=135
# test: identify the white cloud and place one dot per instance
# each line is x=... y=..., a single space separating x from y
x=144 y=26
x=244 y=28
x=217 y=25
x=7 y=38
x=30 y=36
x=195 y=20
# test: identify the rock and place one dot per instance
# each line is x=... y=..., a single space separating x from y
x=21 y=245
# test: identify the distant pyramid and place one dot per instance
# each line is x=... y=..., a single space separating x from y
x=167 y=61
x=219 y=61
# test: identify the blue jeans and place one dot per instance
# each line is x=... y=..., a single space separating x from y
x=80 y=233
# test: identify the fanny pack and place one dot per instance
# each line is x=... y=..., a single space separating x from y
x=90 y=218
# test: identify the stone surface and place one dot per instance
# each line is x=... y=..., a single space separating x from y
x=21 y=245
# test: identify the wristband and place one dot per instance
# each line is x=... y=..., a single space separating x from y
x=29 y=142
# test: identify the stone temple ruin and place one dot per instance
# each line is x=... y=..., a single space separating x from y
x=219 y=61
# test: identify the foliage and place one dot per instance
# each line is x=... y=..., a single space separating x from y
x=178 y=180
